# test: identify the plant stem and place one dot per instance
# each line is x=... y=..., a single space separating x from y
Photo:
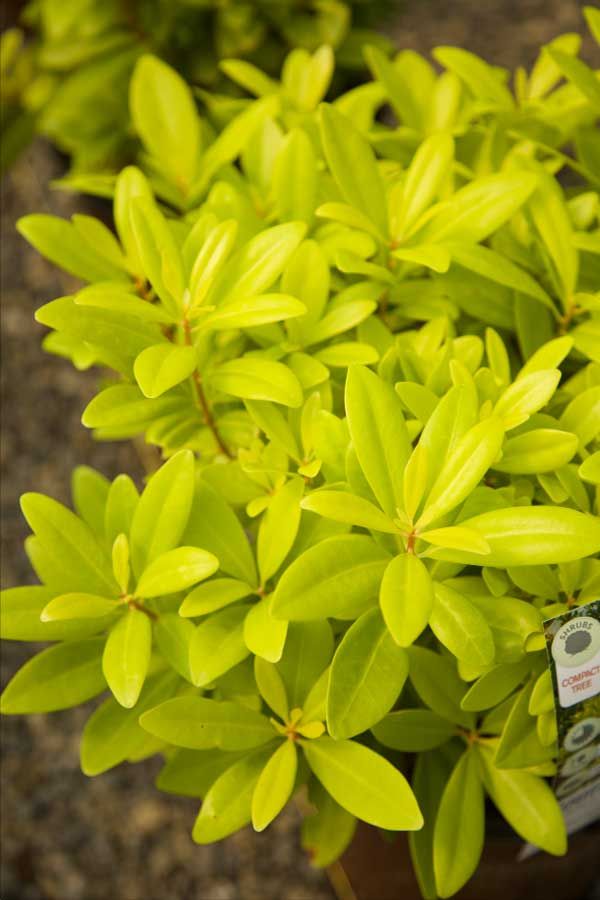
x=570 y=313
x=202 y=401
x=143 y=609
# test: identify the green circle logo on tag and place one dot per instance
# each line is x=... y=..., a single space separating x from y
x=576 y=642
x=582 y=734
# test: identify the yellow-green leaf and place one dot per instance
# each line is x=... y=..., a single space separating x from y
x=406 y=598
x=274 y=786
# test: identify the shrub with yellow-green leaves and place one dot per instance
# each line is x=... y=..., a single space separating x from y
x=368 y=348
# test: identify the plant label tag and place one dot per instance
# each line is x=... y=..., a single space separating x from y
x=575 y=652
x=573 y=647
x=573 y=644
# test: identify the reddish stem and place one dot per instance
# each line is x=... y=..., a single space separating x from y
x=143 y=609
x=201 y=397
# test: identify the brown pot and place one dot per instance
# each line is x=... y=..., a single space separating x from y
x=375 y=868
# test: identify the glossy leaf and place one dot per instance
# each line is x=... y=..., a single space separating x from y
x=173 y=636
x=271 y=686
x=327 y=832
x=308 y=651
x=72 y=542
x=213 y=595
x=413 y=730
x=90 y=494
x=530 y=535
x=77 y=606
x=175 y=571
x=127 y=656
x=367 y=674
x=199 y=723
x=406 y=598
x=164 y=114
x=57 y=240
x=20 y=612
x=463 y=470
x=461 y=627
x=161 y=367
x=274 y=787
x=214 y=526
x=264 y=635
x=452 y=418
x=192 y=773
x=112 y=733
x=338 y=577
x=163 y=510
x=552 y=221
x=258 y=264
x=211 y=259
x=253 y=378
x=364 y=783
x=527 y=803
x=426 y=173
x=459 y=827
x=436 y=681
x=227 y=806
x=278 y=528
x=528 y=394
x=519 y=745
x=217 y=645
x=57 y=678
x=457 y=537
x=342 y=506
x=345 y=150
x=250 y=312
x=538 y=450
x=379 y=435
x=480 y=259
x=480 y=208
x=429 y=780
x=295 y=177
x=495 y=685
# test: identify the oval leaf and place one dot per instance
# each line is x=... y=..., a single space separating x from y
x=275 y=785
x=406 y=598
x=367 y=674
x=175 y=571
x=57 y=678
x=127 y=656
x=459 y=827
x=338 y=577
x=161 y=367
x=364 y=783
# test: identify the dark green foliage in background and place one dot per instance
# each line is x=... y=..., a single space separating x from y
x=66 y=76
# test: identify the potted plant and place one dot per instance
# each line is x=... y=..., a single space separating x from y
x=368 y=353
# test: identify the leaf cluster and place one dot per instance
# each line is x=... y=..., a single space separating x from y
x=66 y=67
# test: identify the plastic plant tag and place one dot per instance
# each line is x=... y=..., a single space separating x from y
x=573 y=646
x=575 y=652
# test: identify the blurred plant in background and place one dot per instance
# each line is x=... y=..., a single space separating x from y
x=65 y=71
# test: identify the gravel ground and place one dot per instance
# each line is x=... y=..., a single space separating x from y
x=506 y=33
x=66 y=837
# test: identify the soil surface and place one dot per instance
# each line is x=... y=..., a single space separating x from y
x=64 y=836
